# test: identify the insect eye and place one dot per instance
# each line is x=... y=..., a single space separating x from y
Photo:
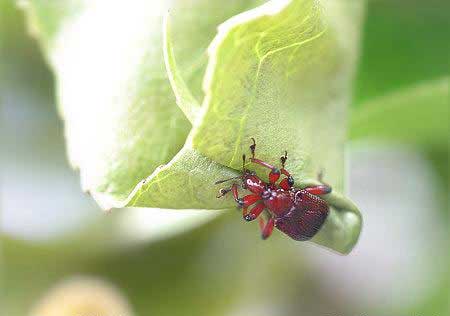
x=291 y=180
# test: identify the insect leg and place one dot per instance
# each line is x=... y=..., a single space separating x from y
x=267 y=228
x=233 y=189
x=254 y=212
x=274 y=174
x=319 y=189
x=284 y=184
x=246 y=201
x=287 y=182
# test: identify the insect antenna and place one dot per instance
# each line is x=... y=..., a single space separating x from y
x=222 y=181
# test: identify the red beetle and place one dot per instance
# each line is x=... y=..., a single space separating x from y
x=299 y=213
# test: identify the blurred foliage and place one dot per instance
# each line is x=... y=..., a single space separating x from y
x=409 y=116
x=437 y=303
x=405 y=46
x=82 y=296
x=20 y=56
x=126 y=122
x=404 y=43
x=170 y=277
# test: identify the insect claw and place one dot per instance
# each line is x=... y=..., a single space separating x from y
x=284 y=158
x=253 y=147
x=222 y=192
x=249 y=217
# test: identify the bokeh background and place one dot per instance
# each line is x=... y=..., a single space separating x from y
x=159 y=262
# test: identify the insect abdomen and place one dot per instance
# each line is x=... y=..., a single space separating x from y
x=305 y=218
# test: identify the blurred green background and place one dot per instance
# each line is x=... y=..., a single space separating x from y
x=167 y=263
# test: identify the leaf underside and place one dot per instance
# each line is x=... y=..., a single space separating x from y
x=280 y=73
x=272 y=99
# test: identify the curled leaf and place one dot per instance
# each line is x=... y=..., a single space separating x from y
x=289 y=94
x=185 y=100
x=280 y=73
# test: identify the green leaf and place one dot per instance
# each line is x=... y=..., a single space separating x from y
x=185 y=100
x=186 y=182
x=414 y=115
x=281 y=73
x=121 y=120
x=341 y=230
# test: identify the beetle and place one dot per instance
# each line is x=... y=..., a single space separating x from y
x=299 y=213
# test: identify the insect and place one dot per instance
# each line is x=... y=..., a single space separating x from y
x=299 y=213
